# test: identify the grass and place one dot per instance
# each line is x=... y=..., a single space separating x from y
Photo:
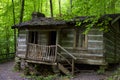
x=115 y=76
x=49 y=77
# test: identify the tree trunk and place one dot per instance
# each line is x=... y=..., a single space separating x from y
x=38 y=8
x=59 y=7
x=71 y=6
x=41 y=5
x=46 y=8
x=51 y=8
x=22 y=11
x=14 y=24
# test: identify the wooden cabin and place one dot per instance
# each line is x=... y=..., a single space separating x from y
x=48 y=41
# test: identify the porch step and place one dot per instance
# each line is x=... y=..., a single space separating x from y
x=67 y=68
x=63 y=69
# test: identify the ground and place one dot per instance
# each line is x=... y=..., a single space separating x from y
x=7 y=73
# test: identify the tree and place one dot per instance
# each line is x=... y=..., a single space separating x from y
x=59 y=1
x=22 y=11
x=51 y=8
x=14 y=24
x=70 y=5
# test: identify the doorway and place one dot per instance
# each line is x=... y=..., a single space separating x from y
x=52 y=38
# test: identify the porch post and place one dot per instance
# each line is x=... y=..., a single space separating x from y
x=27 y=35
x=57 y=41
x=73 y=66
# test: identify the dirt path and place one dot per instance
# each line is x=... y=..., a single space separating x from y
x=7 y=73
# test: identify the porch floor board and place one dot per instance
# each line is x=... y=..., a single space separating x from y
x=40 y=62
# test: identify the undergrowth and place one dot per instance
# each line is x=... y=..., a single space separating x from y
x=115 y=76
x=50 y=77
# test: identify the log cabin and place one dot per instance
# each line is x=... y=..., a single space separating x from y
x=48 y=41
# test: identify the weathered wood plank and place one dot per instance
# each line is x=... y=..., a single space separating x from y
x=43 y=38
x=95 y=32
x=95 y=41
x=92 y=35
x=67 y=37
x=21 y=44
x=92 y=61
x=95 y=38
x=41 y=52
x=34 y=61
x=89 y=48
x=63 y=69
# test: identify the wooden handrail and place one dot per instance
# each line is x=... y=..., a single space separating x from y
x=67 y=52
x=50 y=53
x=73 y=58
x=65 y=59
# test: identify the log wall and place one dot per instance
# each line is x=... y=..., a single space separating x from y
x=22 y=44
x=43 y=38
x=89 y=53
x=112 y=44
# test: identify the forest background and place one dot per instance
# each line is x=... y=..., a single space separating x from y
x=16 y=11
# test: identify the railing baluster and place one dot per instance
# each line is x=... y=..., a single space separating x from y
x=42 y=52
x=49 y=53
x=67 y=60
x=73 y=66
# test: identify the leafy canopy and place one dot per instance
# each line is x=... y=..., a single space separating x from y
x=69 y=8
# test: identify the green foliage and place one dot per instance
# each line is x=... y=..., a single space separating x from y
x=79 y=8
x=101 y=70
x=115 y=76
x=50 y=77
x=95 y=22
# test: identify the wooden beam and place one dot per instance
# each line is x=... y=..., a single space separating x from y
x=116 y=19
x=22 y=11
x=51 y=8
x=67 y=52
x=73 y=66
x=33 y=61
x=63 y=69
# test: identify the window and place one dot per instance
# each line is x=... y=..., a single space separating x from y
x=67 y=37
x=33 y=37
x=80 y=39
x=72 y=39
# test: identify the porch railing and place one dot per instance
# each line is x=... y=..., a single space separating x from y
x=46 y=53
x=41 y=52
x=72 y=57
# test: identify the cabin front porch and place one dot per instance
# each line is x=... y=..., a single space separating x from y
x=50 y=55
x=42 y=53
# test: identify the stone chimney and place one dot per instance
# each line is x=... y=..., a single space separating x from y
x=37 y=15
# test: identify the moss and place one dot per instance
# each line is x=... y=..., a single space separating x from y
x=17 y=64
x=102 y=69
x=115 y=76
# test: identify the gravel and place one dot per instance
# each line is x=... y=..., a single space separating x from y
x=7 y=73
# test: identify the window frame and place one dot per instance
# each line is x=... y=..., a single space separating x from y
x=33 y=37
x=83 y=43
x=61 y=37
x=76 y=39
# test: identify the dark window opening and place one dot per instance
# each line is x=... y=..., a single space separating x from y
x=80 y=39
x=72 y=38
x=67 y=38
x=119 y=25
x=52 y=38
x=33 y=37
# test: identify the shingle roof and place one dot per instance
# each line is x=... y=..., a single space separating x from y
x=40 y=20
